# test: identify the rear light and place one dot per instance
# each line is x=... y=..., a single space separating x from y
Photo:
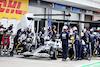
x=1 y=25
x=20 y=40
x=83 y=45
x=1 y=30
x=90 y=31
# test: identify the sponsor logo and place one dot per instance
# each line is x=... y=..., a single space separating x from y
x=13 y=8
x=13 y=5
x=5 y=40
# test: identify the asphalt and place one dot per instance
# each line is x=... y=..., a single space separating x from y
x=20 y=61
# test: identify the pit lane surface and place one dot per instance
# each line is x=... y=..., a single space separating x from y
x=20 y=61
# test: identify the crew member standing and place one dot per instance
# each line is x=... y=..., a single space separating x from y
x=78 y=44
x=54 y=32
x=64 y=37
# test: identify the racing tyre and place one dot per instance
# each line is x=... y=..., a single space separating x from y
x=71 y=53
x=26 y=56
x=96 y=51
x=32 y=48
x=53 y=53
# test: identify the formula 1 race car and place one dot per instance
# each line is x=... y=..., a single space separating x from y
x=49 y=49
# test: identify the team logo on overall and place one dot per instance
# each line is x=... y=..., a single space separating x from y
x=5 y=40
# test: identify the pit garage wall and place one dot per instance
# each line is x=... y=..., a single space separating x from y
x=96 y=22
x=11 y=12
x=45 y=8
x=40 y=8
x=9 y=16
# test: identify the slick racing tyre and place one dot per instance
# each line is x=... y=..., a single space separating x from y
x=20 y=48
x=32 y=48
x=85 y=54
x=53 y=53
x=96 y=51
x=26 y=56
x=71 y=53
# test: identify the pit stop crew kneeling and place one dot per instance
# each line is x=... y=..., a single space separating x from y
x=50 y=32
x=22 y=39
x=64 y=37
x=98 y=40
x=42 y=35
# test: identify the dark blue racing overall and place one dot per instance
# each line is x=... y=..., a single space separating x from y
x=64 y=37
x=78 y=45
